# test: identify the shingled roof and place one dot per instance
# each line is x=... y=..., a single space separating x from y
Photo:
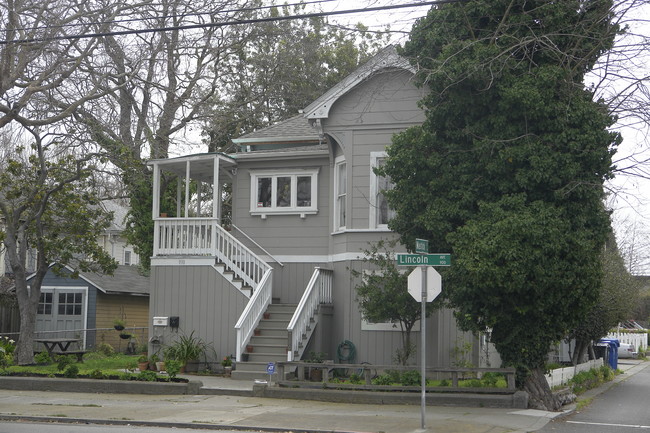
x=126 y=280
x=296 y=128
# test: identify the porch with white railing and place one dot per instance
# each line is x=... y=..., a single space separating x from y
x=205 y=237
x=305 y=319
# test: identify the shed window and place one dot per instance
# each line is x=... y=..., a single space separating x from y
x=280 y=192
x=70 y=304
x=45 y=304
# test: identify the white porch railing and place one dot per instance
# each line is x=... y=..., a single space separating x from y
x=301 y=326
x=204 y=236
x=253 y=312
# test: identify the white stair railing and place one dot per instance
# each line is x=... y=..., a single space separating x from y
x=304 y=320
x=203 y=236
x=250 y=317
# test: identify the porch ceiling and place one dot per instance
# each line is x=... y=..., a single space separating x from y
x=201 y=165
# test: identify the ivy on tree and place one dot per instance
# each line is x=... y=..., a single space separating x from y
x=507 y=171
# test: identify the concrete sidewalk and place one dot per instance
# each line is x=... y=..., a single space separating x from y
x=242 y=412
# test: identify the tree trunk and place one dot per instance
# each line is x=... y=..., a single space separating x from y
x=540 y=395
x=25 y=348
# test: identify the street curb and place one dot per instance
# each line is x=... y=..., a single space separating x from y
x=195 y=426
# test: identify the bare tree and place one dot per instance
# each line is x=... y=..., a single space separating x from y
x=40 y=59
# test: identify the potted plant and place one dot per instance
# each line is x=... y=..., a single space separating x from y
x=119 y=324
x=143 y=363
x=316 y=373
x=153 y=362
x=226 y=363
x=125 y=335
x=187 y=349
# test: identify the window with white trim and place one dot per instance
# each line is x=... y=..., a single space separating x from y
x=284 y=192
x=341 y=190
x=127 y=257
x=380 y=212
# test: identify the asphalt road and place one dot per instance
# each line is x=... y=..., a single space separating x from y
x=621 y=409
x=28 y=427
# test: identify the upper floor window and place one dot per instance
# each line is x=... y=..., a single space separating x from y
x=284 y=192
x=341 y=192
x=380 y=212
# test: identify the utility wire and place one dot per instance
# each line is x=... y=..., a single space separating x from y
x=227 y=23
x=195 y=14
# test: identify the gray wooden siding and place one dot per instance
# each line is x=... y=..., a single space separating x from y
x=284 y=234
x=387 y=98
x=378 y=347
x=204 y=302
x=290 y=280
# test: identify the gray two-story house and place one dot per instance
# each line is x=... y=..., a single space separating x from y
x=268 y=276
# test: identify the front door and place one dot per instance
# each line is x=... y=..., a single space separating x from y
x=62 y=313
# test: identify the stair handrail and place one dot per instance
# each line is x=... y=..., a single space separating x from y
x=271 y=256
x=303 y=321
x=255 y=308
x=239 y=258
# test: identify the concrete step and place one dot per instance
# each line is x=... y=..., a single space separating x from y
x=267 y=337
x=277 y=349
x=282 y=308
x=266 y=357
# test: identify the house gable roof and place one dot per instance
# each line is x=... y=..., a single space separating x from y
x=385 y=59
x=296 y=129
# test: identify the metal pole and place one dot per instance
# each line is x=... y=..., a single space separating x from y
x=423 y=356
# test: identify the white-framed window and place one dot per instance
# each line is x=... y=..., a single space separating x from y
x=340 y=193
x=380 y=212
x=284 y=192
x=127 y=257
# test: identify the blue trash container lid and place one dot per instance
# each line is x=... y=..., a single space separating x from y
x=614 y=342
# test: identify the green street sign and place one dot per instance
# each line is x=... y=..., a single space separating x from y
x=421 y=246
x=424 y=259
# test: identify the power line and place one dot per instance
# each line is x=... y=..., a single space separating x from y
x=229 y=23
x=196 y=14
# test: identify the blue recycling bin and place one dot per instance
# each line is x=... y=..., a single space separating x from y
x=612 y=354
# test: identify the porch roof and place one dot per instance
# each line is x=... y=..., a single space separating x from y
x=201 y=164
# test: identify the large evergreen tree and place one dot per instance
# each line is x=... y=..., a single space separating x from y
x=507 y=171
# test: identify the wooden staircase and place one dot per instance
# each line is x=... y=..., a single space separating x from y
x=269 y=346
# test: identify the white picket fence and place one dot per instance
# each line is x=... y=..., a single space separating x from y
x=561 y=376
x=637 y=340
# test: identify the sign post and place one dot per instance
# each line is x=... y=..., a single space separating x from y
x=424 y=284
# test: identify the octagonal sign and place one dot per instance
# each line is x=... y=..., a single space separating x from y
x=416 y=279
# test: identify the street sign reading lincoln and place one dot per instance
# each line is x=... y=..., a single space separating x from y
x=424 y=259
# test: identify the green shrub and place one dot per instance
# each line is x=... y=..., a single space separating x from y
x=472 y=383
x=64 y=361
x=356 y=379
x=97 y=374
x=105 y=349
x=384 y=379
x=172 y=367
x=71 y=371
x=410 y=378
x=490 y=379
x=147 y=376
x=42 y=358
x=445 y=382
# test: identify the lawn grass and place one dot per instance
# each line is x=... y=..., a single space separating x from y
x=113 y=364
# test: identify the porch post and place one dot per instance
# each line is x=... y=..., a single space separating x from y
x=178 y=197
x=216 y=191
x=187 y=189
x=155 y=209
